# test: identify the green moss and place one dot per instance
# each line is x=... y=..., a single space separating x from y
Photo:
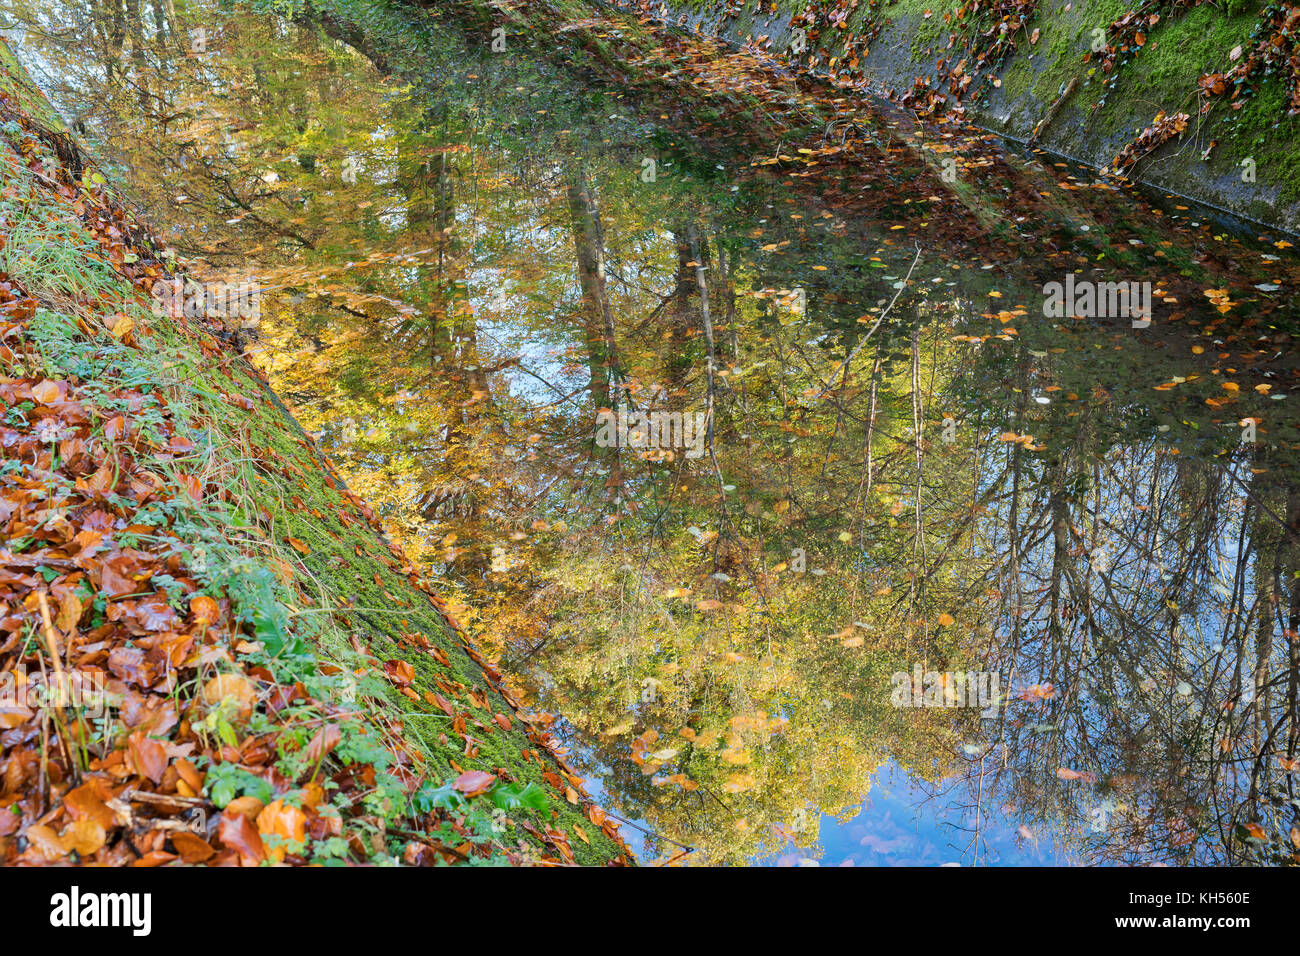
x=1164 y=74
x=1262 y=131
x=15 y=81
x=351 y=575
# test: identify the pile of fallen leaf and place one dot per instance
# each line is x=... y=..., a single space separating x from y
x=125 y=682
x=1162 y=129
x=129 y=794
x=1274 y=49
x=986 y=32
x=1128 y=34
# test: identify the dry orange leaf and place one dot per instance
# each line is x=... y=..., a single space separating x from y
x=286 y=822
x=148 y=755
x=234 y=687
x=84 y=836
x=191 y=847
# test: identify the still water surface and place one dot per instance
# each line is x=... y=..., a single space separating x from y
x=902 y=465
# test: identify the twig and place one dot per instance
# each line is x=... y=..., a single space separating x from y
x=849 y=358
x=52 y=640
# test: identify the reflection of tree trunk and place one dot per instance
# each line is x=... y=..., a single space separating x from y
x=160 y=22
x=598 y=317
x=115 y=30
x=710 y=362
x=138 y=68
x=1267 y=546
x=1054 y=477
x=457 y=380
x=728 y=294
x=429 y=190
x=1290 y=568
x=679 y=327
x=918 y=419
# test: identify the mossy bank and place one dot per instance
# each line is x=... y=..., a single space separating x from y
x=1072 y=76
x=274 y=683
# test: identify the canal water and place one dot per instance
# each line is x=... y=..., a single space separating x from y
x=853 y=491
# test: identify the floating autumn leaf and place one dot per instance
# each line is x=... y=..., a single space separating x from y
x=1038 y=692
x=1065 y=773
x=738 y=783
